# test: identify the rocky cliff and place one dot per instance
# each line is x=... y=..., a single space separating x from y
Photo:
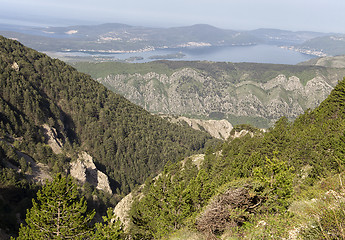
x=266 y=95
x=216 y=128
x=84 y=170
x=51 y=138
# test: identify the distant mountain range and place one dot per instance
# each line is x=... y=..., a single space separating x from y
x=253 y=93
x=119 y=38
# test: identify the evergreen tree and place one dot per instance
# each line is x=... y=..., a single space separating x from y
x=277 y=177
x=111 y=229
x=58 y=213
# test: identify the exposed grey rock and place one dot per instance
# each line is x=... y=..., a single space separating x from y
x=241 y=133
x=122 y=209
x=188 y=91
x=51 y=139
x=217 y=128
x=15 y=66
x=84 y=170
x=39 y=171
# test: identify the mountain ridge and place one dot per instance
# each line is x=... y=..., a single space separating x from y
x=117 y=37
x=253 y=93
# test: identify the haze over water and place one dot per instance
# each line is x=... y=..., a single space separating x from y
x=258 y=53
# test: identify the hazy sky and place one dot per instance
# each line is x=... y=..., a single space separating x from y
x=314 y=15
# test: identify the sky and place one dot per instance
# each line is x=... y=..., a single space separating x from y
x=295 y=15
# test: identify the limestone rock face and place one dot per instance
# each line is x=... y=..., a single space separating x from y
x=52 y=139
x=84 y=170
x=189 y=91
x=15 y=66
x=217 y=128
x=78 y=170
x=122 y=209
x=241 y=133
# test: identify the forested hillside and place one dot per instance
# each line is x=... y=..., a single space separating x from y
x=286 y=183
x=126 y=142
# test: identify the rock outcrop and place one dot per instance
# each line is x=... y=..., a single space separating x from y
x=15 y=66
x=84 y=170
x=242 y=133
x=189 y=91
x=122 y=209
x=52 y=139
x=216 y=128
x=39 y=173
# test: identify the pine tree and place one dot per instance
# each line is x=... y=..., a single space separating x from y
x=111 y=229
x=277 y=177
x=59 y=213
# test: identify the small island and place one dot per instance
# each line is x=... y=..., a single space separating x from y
x=178 y=55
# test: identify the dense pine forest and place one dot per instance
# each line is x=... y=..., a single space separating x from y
x=126 y=142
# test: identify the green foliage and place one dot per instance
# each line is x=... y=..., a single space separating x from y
x=111 y=229
x=200 y=190
x=264 y=226
x=126 y=142
x=161 y=210
x=58 y=213
x=321 y=211
x=277 y=177
x=278 y=166
x=102 y=70
x=328 y=223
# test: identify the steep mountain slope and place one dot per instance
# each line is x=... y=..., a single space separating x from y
x=264 y=186
x=55 y=119
x=252 y=93
x=40 y=96
x=37 y=90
